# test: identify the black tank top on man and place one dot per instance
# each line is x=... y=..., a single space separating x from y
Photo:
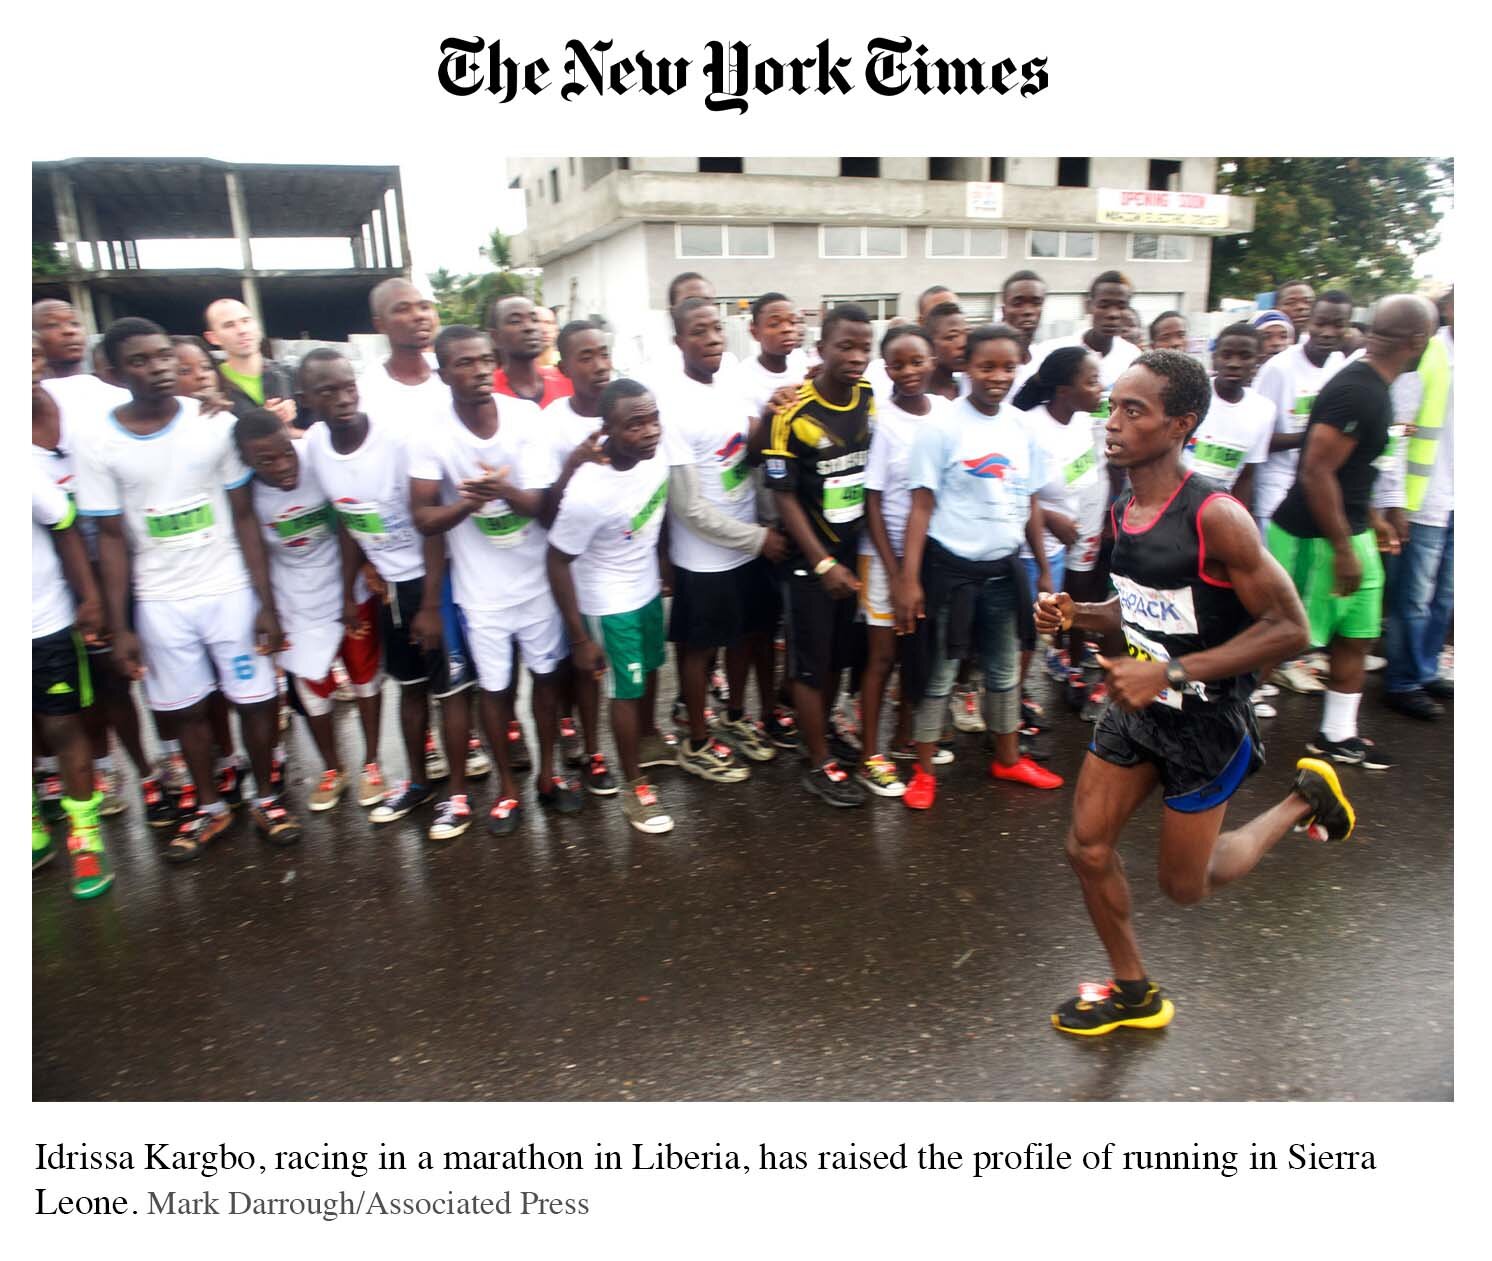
x=1169 y=606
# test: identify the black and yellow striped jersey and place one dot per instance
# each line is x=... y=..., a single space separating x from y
x=818 y=451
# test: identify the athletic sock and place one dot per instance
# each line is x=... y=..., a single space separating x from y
x=265 y=802
x=1339 y=721
x=213 y=807
x=228 y=763
x=280 y=753
x=83 y=814
x=1133 y=992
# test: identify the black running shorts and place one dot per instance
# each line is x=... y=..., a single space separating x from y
x=1203 y=753
x=713 y=610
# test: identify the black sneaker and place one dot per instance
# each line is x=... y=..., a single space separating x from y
x=599 y=781
x=841 y=748
x=782 y=729
x=504 y=817
x=1440 y=689
x=1415 y=704
x=1101 y=1009
x=1354 y=751
x=160 y=810
x=833 y=784
x=562 y=795
x=404 y=799
x=1332 y=817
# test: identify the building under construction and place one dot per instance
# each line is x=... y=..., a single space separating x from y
x=96 y=210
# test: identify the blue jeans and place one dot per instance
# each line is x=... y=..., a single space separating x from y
x=995 y=635
x=1421 y=591
x=1056 y=564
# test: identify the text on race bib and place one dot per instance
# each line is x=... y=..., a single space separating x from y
x=188 y=524
x=303 y=525
x=501 y=526
x=1218 y=455
x=844 y=497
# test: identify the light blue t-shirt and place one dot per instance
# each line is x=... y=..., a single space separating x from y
x=981 y=470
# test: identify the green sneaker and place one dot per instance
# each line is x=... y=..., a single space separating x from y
x=43 y=850
x=92 y=874
x=643 y=809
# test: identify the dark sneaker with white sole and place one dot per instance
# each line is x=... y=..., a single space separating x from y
x=832 y=783
x=1354 y=751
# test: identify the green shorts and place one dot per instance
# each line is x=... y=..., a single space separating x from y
x=634 y=646
x=1309 y=564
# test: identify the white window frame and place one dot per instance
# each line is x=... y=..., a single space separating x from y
x=823 y=227
x=949 y=227
x=1178 y=236
x=724 y=230
x=1063 y=254
x=874 y=302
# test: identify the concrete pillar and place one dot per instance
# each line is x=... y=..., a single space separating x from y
x=383 y=232
x=113 y=258
x=403 y=229
x=238 y=211
x=105 y=310
x=88 y=220
x=359 y=255
x=81 y=297
x=370 y=243
x=67 y=218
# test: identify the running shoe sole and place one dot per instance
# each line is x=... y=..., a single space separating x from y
x=1156 y=1020
x=1363 y=759
x=714 y=772
x=1329 y=777
x=898 y=789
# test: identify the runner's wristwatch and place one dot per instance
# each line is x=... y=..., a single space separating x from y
x=1176 y=675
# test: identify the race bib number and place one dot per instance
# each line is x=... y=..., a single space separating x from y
x=1143 y=648
x=1217 y=459
x=1078 y=471
x=302 y=527
x=183 y=525
x=501 y=526
x=1300 y=414
x=844 y=497
x=366 y=522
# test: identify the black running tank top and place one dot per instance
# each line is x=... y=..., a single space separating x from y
x=1169 y=606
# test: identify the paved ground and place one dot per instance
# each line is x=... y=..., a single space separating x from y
x=769 y=948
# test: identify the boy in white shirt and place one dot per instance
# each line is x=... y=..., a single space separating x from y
x=176 y=523
x=1232 y=440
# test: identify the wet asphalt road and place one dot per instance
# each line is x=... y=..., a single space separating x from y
x=769 y=948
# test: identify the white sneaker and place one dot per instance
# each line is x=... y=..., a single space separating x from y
x=1265 y=692
x=1263 y=709
x=1297 y=677
x=1448 y=663
x=966 y=715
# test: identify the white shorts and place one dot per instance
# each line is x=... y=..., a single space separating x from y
x=535 y=626
x=876 y=606
x=192 y=646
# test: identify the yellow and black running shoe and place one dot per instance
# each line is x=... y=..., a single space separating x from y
x=1332 y=817
x=1101 y=1009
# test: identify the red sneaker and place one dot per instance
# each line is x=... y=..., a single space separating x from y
x=1026 y=772
x=921 y=792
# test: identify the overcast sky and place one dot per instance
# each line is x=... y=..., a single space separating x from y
x=452 y=212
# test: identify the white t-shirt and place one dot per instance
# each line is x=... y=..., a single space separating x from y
x=886 y=467
x=1230 y=436
x=171 y=487
x=369 y=488
x=390 y=401
x=85 y=398
x=564 y=430
x=668 y=365
x=609 y=521
x=756 y=385
x=707 y=426
x=497 y=556
x=300 y=540
x=51 y=597
x=1290 y=382
x=1074 y=483
x=1110 y=366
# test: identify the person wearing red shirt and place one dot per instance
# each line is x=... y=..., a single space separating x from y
x=519 y=337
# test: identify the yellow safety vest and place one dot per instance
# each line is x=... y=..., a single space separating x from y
x=1435 y=376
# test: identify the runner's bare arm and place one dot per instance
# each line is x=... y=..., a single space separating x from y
x=1232 y=553
x=430 y=515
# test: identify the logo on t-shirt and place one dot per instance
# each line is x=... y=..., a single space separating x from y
x=645 y=513
x=991 y=465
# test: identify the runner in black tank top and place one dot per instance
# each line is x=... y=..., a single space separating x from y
x=1202 y=606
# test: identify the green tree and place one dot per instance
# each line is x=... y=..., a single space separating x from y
x=47 y=259
x=1347 y=223
x=464 y=299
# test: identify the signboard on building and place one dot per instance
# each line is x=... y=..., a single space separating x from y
x=984 y=201
x=1147 y=208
